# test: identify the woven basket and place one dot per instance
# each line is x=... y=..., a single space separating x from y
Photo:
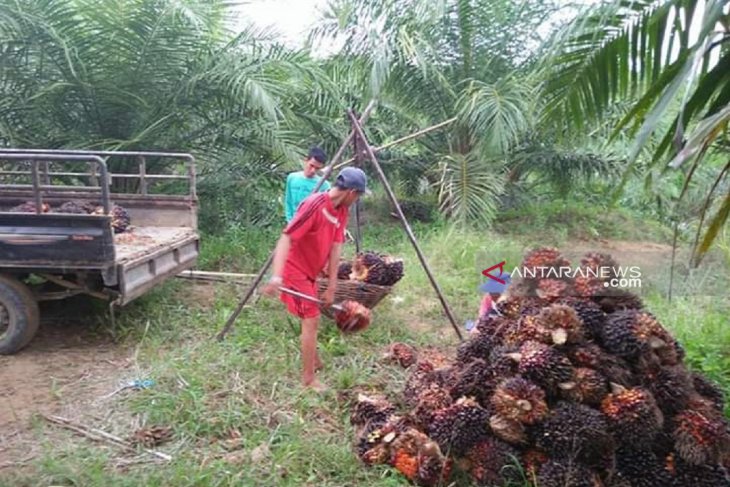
x=368 y=295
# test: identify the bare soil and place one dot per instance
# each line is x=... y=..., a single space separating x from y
x=68 y=364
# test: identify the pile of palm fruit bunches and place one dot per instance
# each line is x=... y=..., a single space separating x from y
x=567 y=388
x=120 y=216
x=372 y=268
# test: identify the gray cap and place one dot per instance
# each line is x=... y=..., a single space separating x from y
x=352 y=178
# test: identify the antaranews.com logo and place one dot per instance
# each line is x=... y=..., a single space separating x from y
x=611 y=276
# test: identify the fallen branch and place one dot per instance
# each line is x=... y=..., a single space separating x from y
x=99 y=435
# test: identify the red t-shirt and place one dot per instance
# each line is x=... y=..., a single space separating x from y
x=316 y=226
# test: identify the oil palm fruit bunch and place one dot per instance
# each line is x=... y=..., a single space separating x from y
x=520 y=400
x=705 y=475
x=709 y=390
x=588 y=387
x=30 y=207
x=460 y=426
x=701 y=436
x=353 y=317
x=577 y=432
x=544 y=365
x=394 y=270
x=120 y=217
x=581 y=391
x=640 y=467
x=632 y=414
x=363 y=263
x=374 y=268
x=564 y=473
x=490 y=462
x=560 y=324
x=430 y=400
x=552 y=289
x=613 y=299
x=344 y=270
x=402 y=354
x=631 y=333
x=367 y=410
x=543 y=257
x=592 y=316
x=76 y=207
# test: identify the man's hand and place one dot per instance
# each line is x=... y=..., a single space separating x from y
x=329 y=295
x=272 y=287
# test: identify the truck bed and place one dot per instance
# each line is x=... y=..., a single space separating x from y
x=138 y=242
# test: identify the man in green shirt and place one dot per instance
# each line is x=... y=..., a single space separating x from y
x=300 y=184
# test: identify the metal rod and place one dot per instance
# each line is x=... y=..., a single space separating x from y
x=358 y=128
x=308 y=298
x=403 y=139
x=36 y=188
x=142 y=175
x=259 y=277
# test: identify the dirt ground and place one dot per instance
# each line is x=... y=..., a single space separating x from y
x=69 y=363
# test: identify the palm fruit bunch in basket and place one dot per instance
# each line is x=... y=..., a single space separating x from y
x=372 y=268
x=566 y=389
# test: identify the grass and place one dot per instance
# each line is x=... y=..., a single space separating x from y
x=238 y=414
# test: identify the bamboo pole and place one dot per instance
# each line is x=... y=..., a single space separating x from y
x=405 y=138
x=361 y=134
x=259 y=277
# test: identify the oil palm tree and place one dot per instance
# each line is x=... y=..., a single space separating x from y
x=429 y=61
x=670 y=57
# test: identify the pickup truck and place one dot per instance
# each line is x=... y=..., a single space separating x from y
x=48 y=254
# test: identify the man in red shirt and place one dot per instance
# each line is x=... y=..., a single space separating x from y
x=312 y=240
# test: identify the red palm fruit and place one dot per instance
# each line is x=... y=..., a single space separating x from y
x=520 y=400
x=638 y=467
x=406 y=463
x=422 y=376
x=344 y=270
x=632 y=333
x=602 y=265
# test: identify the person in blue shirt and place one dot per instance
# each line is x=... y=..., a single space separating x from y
x=300 y=184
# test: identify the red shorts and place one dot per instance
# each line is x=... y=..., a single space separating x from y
x=301 y=308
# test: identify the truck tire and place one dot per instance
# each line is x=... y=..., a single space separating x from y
x=19 y=315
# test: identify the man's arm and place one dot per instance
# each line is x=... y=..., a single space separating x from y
x=280 y=254
x=334 y=262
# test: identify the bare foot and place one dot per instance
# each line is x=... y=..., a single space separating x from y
x=316 y=386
